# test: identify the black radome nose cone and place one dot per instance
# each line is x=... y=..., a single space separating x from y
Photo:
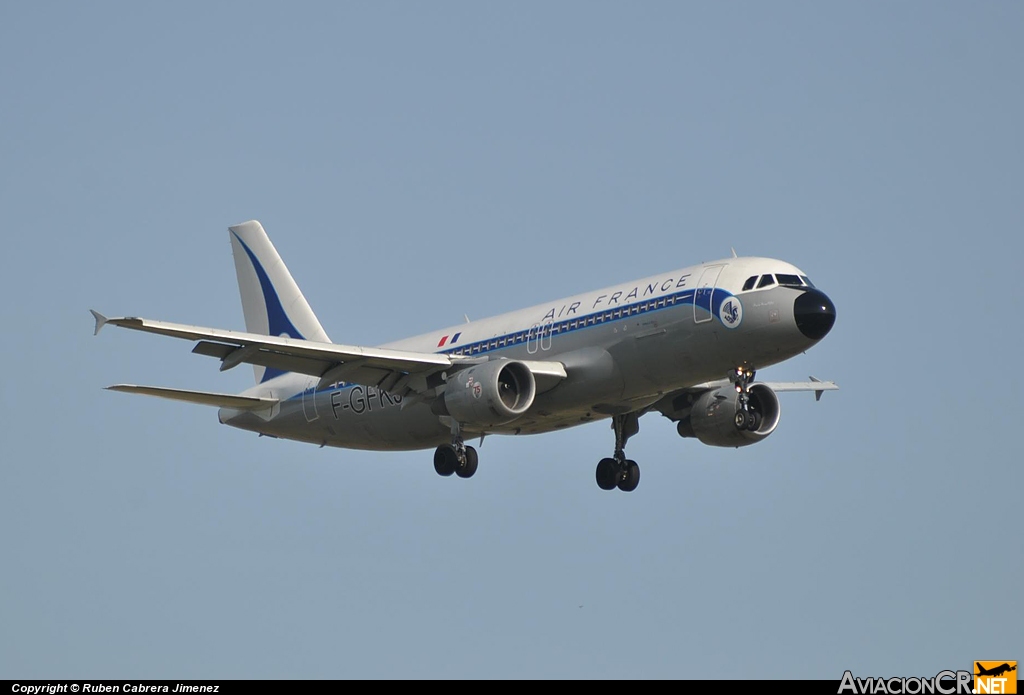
x=815 y=314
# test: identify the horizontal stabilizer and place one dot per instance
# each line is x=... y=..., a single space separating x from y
x=223 y=400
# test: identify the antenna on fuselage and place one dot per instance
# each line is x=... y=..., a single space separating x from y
x=733 y=252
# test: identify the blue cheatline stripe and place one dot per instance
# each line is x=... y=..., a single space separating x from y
x=277 y=320
x=599 y=318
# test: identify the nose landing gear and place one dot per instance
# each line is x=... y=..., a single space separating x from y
x=620 y=472
x=746 y=419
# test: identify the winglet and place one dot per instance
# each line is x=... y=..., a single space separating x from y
x=101 y=320
x=817 y=394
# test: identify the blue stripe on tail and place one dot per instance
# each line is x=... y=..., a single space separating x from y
x=277 y=320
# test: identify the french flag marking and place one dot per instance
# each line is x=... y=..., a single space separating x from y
x=455 y=339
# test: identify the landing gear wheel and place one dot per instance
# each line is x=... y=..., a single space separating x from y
x=618 y=472
x=630 y=477
x=608 y=474
x=445 y=460
x=741 y=378
x=467 y=469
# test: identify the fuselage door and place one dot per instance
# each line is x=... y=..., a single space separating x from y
x=309 y=401
x=703 y=298
x=546 y=335
x=533 y=339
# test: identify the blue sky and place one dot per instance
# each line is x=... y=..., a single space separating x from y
x=413 y=163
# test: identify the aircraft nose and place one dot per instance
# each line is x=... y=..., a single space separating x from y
x=815 y=314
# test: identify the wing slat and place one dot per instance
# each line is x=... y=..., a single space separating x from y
x=328 y=352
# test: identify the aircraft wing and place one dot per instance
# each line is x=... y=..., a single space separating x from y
x=397 y=371
x=674 y=404
x=817 y=385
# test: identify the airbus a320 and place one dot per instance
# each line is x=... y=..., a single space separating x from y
x=684 y=343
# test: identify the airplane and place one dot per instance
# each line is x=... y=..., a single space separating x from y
x=995 y=671
x=685 y=343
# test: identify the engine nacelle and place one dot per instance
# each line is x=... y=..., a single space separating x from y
x=491 y=393
x=712 y=419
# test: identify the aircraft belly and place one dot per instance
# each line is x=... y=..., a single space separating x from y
x=354 y=417
x=368 y=418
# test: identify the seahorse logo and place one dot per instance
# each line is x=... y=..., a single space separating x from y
x=731 y=312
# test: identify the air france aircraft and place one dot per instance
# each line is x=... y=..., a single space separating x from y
x=685 y=343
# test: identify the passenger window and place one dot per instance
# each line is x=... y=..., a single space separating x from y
x=766 y=281
x=749 y=284
x=789 y=280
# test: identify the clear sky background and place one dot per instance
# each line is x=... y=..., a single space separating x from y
x=413 y=162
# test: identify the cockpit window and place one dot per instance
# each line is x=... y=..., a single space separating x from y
x=789 y=280
x=749 y=284
x=766 y=281
x=807 y=281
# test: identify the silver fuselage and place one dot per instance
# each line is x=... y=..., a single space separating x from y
x=624 y=347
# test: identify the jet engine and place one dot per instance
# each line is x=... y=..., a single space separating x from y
x=714 y=418
x=491 y=393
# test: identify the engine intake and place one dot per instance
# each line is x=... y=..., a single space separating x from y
x=713 y=419
x=492 y=393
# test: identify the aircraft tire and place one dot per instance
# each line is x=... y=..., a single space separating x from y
x=607 y=474
x=632 y=477
x=469 y=468
x=740 y=420
x=754 y=421
x=445 y=460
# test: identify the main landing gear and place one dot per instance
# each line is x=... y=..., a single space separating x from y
x=456 y=458
x=620 y=472
x=746 y=419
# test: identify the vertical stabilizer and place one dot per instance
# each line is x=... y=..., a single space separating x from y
x=271 y=301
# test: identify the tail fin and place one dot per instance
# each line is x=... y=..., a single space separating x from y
x=271 y=301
